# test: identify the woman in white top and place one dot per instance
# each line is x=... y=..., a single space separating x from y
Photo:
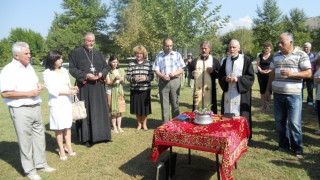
x=56 y=80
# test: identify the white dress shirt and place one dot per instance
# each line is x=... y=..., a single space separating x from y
x=16 y=77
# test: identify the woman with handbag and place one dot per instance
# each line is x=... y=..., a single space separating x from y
x=140 y=75
x=56 y=80
x=115 y=80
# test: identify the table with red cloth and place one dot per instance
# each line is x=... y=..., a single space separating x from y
x=228 y=138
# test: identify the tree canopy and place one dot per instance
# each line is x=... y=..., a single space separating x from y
x=266 y=26
x=149 y=22
x=79 y=16
x=35 y=41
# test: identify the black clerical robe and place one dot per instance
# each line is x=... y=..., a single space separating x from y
x=244 y=87
x=96 y=127
x=214 y=76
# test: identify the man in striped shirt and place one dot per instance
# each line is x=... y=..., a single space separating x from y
x=168 y=66
x=289 y=67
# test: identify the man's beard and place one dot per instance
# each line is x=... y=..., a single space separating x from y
x=90 y=47
x=204 y=55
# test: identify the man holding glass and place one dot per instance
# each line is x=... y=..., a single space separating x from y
x=289 y=67
x=236 y=77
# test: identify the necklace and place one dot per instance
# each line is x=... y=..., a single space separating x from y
x=91 y=62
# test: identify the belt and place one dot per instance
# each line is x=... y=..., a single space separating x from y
x=175 y=77
x=31 y=106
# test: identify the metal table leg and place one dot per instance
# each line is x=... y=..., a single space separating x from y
x=189 y=156
x=169 y=168
x=218 y=166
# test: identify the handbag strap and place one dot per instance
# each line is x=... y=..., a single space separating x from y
x=75 y=98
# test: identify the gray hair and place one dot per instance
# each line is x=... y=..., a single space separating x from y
x=236 y=41
x=308 y=44
x=88 y=34
x=18 y=46
x=205 y=43
x=289 y=36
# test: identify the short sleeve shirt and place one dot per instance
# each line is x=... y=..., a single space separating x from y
x=16 y=77
x=166 y=63
x=295 y=62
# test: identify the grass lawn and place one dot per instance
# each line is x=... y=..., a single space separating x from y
x=127 y=157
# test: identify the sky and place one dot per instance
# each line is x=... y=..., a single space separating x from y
x=38 y=15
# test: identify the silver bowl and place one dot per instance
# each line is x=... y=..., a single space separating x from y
x=203 y=119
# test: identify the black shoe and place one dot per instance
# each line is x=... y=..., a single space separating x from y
x=88 y=144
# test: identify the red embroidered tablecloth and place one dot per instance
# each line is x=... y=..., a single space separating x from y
x=228 y=138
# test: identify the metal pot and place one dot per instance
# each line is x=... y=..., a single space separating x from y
x=203 y=119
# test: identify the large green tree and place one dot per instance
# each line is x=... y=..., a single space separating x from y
x=186 y=21
x=295 y=23
x=35 y=40
x=79 y=16
x=267 y=26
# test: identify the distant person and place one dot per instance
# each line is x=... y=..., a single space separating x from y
x=56 y=80
x=187 y=72
x=227 y=53
x=289 y=67
x=140 y=75
x=309 y=81
x=205 y=70
x=115 y=93
x=263 y=64
x=236 y=78
x=168 y=66
x=20 y=90
x=89 y=68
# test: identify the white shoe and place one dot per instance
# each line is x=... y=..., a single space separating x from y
x=310 y=103
x=317 y=132
x=71 y=154
x=63 y=158
x=47 y=169
x=33 y=176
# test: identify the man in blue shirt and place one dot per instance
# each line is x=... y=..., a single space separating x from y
x=168 y=66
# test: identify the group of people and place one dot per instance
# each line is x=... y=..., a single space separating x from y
x=101 y=87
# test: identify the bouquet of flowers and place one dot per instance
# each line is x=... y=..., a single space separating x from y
x=205 y=110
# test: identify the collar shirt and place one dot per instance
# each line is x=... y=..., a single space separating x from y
x=296 y=62
x=166 y=63
x=312 y=56
x=17 y=77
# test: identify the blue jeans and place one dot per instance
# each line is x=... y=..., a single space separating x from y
x=287 y=114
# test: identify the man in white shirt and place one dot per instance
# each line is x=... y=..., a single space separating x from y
x=21 y=92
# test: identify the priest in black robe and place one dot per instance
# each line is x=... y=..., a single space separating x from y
x=205 y=71
x=89 y=68
x=236 y=77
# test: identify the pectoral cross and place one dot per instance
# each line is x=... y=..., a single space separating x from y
x=92 y=69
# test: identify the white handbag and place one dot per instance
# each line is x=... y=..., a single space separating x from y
x=78 y=109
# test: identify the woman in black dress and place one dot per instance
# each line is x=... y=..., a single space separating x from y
x=263 y=63
x=140 y=75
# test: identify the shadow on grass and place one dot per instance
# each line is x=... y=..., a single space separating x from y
x=129 y=122
x=143 y=167
x=10 y=153
x=308 y=163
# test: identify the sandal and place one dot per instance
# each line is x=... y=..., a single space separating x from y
x=120 y=130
